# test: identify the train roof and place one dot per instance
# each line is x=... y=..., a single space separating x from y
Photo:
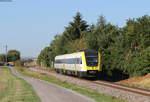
x=76 y=53
x=86 y=51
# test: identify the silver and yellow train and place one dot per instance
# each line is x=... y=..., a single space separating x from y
x=82 y=64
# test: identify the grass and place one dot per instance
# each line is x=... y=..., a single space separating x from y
x=139 y=82
x=142 y=84
x=13 y=89
x=90 y=93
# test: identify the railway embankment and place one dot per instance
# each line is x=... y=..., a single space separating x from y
x=123 y=92
x=140 y=82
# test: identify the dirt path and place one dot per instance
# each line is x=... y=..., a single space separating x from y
x=49 y=92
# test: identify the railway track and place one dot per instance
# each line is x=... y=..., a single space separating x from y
x=131 y=94
x=140 y=91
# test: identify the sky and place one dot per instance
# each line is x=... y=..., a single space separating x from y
x=30 y=25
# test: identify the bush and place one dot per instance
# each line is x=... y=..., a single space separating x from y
x=19 y=63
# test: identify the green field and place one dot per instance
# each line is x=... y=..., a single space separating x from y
x=13 y=89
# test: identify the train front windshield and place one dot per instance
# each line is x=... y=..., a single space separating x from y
x=91 y=58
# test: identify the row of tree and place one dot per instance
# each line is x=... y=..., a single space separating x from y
x=124 y=50
x=11 y=56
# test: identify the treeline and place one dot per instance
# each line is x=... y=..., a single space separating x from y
x=124 y=50
x=11 y=56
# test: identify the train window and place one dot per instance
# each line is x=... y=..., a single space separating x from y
x=59 y=61
x=80 y=60
x=70 y=61
x=92 y=61
x=77 y=61
x=91 y=58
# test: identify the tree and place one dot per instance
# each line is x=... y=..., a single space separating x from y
x=75 y=28
x=131 y=50
x=2 y=57
x=45 y=59
x=13 y=55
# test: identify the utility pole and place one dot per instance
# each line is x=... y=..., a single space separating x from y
x=6 y=53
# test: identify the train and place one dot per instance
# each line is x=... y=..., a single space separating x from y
x=84 y=63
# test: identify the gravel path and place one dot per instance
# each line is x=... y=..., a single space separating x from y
x=49 y=92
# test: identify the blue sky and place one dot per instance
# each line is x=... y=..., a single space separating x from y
x=30 y=25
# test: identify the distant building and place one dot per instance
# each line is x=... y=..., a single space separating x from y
x=32 y=63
